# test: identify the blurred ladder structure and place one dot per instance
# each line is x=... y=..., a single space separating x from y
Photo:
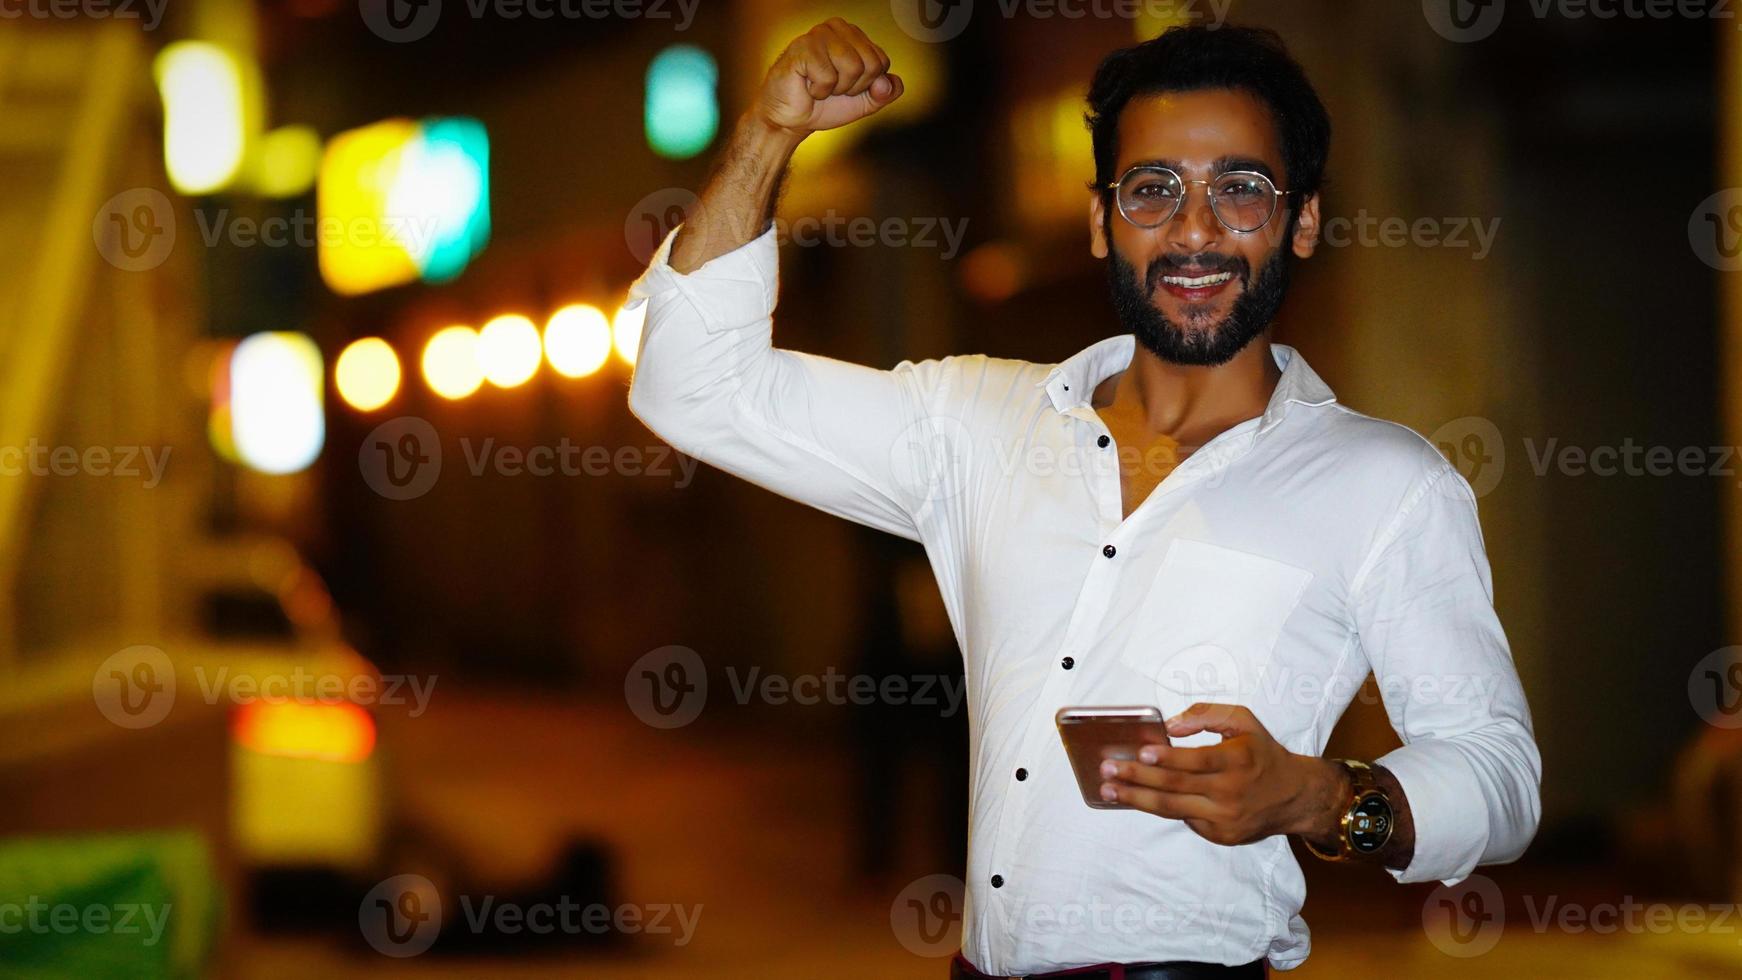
x=78 y=338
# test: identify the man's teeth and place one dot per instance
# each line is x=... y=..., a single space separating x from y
x=1198 y=283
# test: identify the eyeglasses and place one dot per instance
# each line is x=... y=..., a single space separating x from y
x=1243 y=200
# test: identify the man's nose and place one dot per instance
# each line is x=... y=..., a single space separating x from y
x=1195 y=227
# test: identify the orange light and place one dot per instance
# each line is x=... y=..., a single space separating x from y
x=335 y=731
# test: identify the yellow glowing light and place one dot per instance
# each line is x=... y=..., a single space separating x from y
x=450 y=362
x=626 y=331
x=276 y=415
x=357 y=174
x=577 y=340
x=290 y=156
x=509 y=350
x=203 y=117
x=367 y=374
x=336 y=731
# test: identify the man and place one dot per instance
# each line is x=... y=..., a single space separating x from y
x=1180 y=515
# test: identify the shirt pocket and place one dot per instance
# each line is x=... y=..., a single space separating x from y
x=1208 y=626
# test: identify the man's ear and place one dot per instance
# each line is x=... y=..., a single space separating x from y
x=1097 y=225
x=1307 y=228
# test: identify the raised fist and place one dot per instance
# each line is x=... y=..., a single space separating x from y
x=828 y=77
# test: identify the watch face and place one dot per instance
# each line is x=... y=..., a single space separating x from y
x=1370 y=824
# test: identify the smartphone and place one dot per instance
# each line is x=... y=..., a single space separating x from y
x=1093 y=735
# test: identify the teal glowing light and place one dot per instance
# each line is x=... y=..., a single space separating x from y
x=444 y=181
x=682 y=111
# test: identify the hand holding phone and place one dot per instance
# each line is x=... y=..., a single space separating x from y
x=1092 y=735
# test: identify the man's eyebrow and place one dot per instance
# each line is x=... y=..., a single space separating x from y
x=1220 y=166
x=1226 y=164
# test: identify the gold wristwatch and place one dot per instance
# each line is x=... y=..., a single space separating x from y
x=1365 y=827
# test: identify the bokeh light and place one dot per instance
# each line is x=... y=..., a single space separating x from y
x=682 y=111
x=276 y=415
x=577 y=340
x=626 y=331
x=203 y=120
x=367 y=374
x=450 y=362
x=509 y=350
x=290 y=156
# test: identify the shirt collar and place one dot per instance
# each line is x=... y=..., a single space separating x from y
x=1071 y=383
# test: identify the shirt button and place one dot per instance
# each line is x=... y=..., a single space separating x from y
x=1021 y=774
x=1109 y=551
x=1102 y=442
x=997 y=881
x=1068 y=662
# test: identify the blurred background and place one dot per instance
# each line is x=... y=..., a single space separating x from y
x=350 y=624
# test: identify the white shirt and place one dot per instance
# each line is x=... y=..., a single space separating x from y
x=1275 y=567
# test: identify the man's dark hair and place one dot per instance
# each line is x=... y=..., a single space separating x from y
x=1192 y=59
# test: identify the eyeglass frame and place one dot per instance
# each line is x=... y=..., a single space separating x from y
x=1279 y=195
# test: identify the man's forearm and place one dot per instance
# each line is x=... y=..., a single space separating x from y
x=738 y=202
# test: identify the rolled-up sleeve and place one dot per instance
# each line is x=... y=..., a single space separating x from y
x=1469 y=765
x=850 y=440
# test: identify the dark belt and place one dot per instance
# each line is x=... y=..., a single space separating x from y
x=961 y=969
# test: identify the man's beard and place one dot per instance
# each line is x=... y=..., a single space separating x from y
x=1198 y=343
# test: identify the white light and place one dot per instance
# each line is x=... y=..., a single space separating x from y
x=201 y=86
x=577 y=340
x=626 y=331
x=276 y=416
x=508 y=350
